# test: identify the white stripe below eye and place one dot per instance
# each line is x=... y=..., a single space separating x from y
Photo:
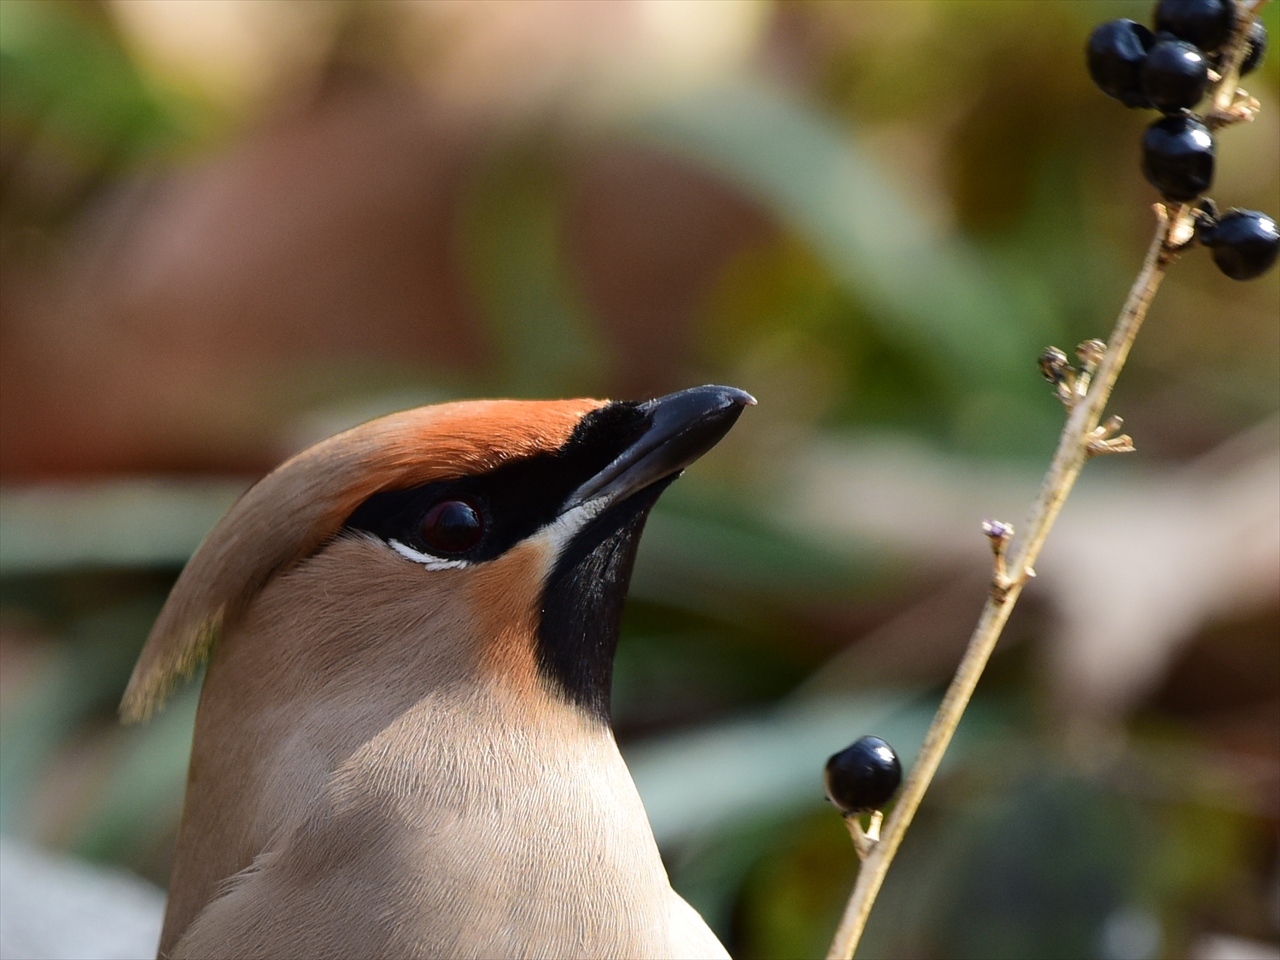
x=556 y=535
x=426 y=559
x=565 y=527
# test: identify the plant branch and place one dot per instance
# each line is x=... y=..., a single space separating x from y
x=1072 y=452
x=1081 y=438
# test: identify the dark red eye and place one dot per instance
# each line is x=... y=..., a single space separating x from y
x=451 y=526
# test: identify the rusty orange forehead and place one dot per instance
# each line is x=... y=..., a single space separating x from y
x=438 y=443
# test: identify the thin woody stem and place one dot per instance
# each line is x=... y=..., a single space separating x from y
x=1067 y=462
x=1075 y=447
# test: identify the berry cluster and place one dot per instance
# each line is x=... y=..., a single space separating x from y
x=1171 y=70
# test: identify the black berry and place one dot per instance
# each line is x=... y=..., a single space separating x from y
x=1175 y=75
x=1177 y=157
x=1255 y=50
x=1206 y=23
x=1256 y=39
x=1116 y=51
x=1244 y=243
x=863 y=776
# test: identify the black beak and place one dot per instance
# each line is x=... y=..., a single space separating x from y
x=583 y=598
x=682 y=427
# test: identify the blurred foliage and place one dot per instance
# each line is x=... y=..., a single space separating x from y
x=511 y=238
x=76 y=110
x=941 y=193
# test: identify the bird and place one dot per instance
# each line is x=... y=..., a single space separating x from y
x=403 y=745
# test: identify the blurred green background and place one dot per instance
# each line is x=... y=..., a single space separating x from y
x=231 y=228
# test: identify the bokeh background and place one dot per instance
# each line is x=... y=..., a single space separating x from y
x=231 y=228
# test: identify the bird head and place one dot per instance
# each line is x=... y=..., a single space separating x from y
x=485 y=539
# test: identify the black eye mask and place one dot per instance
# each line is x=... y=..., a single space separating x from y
x=514 y=500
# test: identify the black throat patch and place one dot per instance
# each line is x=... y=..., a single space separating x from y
x=582 y=603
